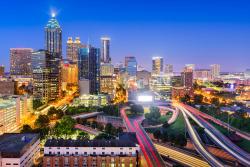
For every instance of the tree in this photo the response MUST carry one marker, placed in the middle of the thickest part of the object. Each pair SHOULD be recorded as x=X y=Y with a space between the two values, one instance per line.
x=37 y=103
x=83 y=136
x=104 y=136
x=26 y=129
x=65 y=126
x=42 y=121
x=165 y=125
x=215 y=101
x=198 y=99
x=136 y=109
x=157 y=134
x=185 y=99
x=109 y=129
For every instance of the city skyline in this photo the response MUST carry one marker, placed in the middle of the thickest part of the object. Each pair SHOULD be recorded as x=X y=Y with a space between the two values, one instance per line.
x=177 y=33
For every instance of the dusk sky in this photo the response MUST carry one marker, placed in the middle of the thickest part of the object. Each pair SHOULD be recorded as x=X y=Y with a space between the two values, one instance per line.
x=201 y=32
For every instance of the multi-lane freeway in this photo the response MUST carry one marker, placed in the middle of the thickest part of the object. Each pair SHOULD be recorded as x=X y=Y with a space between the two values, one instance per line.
x=151 y=155
x=198 y=143
x=219 y=139
x=223 y=124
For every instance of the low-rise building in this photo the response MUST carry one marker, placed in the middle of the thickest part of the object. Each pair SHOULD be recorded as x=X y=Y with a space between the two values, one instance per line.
x=91 y=100
x=117 y=152
x=115 y=121
x=19 y=149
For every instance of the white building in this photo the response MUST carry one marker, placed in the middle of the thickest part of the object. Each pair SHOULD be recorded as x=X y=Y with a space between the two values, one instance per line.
x=19 y=149
x=215 y=71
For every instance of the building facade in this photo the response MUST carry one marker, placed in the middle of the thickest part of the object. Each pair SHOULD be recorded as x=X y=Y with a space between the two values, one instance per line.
x=105 y=52
x=2 y=71
x=131 y=66
x=107 y=78
x=89 y=67
x=72 y=49
x=215 y=71
x=20 y=61
x=97 y=153
x=169 y=69
x=157 y=65
x=7 y=86
x=53 y=46
x=41 y=84
x=202 y=74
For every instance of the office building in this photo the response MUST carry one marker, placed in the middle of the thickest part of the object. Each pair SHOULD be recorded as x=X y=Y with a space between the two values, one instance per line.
x=107 y=78
x=69 y=72
x=176 y=81
x=157 y=65
x=169 y=69
x=215 y=71
x=187 y=78
x=89 y=67
x=161 y=84
x=84 y=87
x=189 y=67
x=202 y=74
x=41 y=84
x=20 y=61
x=72 y=49
x=117 y=152
x=19 y=149
x=105 y=52
x=1 y=71
x=143 y=79
x=131 y=66
x=7 y=86
x=53 y=46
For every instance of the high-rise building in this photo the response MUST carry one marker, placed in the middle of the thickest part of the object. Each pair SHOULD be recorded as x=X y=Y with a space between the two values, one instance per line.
x=187 y=79
x=20 y=61
x=157 y=65
x=189 y=67
x=72 y=49
x=69 y=73
x=41 y=86
x=215 y=71
x=169 y=69
x=105 y=52
x=202 y=74
x=89 y=67
x=53 y=45
x=1 y=71
x=131 y=66
x=106 y=78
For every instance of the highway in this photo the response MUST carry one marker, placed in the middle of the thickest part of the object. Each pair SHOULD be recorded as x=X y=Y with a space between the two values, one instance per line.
x=198 y=143
x=244 y=135
x=151 y=155
x=220 y=139
x=181 y=157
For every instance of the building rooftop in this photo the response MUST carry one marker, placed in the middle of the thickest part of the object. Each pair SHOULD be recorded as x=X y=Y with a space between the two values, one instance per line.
x=52 y=23
x=89 y=143
x=14 y=145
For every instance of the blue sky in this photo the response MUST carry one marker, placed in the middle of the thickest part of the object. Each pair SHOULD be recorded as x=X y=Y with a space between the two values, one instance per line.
x=182 y=31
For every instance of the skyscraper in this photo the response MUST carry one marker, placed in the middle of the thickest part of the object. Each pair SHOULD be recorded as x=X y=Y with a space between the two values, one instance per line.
x=53 y=36
x=20 y=61
x=189 y=67
x=106 y=78
x=105 y=53
x=131 y=66
x=40 y=75
x=157 y=65
x=53 y=46
x=89 y=67
x=72 y=49
x=215 y=71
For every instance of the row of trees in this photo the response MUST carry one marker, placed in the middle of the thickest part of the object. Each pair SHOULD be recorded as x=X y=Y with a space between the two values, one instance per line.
x=73 y=110
x=165 y=135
